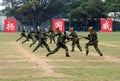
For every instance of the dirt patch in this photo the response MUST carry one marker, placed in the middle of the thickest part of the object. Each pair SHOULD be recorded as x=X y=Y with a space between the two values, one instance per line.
x=107 y=58
x=48 y=70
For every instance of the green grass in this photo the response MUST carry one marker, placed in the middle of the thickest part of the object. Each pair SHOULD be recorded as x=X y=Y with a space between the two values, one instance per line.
x=14 y=66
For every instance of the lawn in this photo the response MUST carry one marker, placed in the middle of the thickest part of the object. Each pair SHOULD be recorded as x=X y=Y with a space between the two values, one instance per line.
x=19 y=63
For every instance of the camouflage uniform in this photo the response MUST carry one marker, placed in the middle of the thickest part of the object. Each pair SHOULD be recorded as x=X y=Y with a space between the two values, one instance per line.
x=51 y=35
x=29 y=36
x=36 y=36
x=75 y=40
x=60 y=44
x=93 y=41
x=42 y=41
x=23 y=34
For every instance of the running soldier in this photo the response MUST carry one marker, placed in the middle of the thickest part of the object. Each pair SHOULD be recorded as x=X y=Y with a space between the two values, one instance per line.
x=75 y=40
x=42 y=41
x=93 y=41
x=51 y=34
x=23 y=34
x=58 y=33
x=29 y=36
x=60 y=44
x=37 y=32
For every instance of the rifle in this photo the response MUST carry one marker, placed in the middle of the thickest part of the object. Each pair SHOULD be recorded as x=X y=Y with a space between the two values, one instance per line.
x=83 y=37
x=70 y=39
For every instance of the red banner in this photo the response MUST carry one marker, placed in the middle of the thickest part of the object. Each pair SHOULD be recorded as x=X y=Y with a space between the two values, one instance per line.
x=10 y=25
x=106 y=25
x=58 y=23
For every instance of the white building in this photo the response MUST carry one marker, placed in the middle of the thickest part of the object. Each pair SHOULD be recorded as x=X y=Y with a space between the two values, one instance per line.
x=115 y=16
x=2 y=18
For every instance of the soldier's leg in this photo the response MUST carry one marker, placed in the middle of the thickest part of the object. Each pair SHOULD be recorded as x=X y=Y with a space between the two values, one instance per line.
x=27 y=39
x=87 y=49
x=50 y=39
x=19 y=38
x=73 y=46
x=54 y=51
x=97 y=49
x=32 y=39
x=78 y=45
x=47 y=47
x=33 y=43
x=53 y=39
x=41 y=46
x=37 y=47
x=66 y=50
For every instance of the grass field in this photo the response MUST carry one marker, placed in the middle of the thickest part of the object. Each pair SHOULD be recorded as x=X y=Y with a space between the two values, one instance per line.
x=18 y=63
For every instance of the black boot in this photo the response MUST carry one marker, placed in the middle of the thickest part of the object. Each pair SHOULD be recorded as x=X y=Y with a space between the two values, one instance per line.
x=30 y=46
x=87 y=53
x=47 y=54
x=67 y=55
x=33 y=50
x=81 y=50
x=101 y=54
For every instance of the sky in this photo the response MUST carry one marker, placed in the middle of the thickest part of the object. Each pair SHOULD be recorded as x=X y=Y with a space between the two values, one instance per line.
x=1 y=7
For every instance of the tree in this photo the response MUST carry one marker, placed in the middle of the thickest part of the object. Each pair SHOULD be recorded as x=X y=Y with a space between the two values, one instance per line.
x=78 y=13
x=87 y=10
x=95 y=9
x=31 y=12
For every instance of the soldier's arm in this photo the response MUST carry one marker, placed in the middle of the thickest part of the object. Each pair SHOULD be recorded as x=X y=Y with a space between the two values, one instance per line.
x=88 y=37
x=95 y=34
x=70 y=34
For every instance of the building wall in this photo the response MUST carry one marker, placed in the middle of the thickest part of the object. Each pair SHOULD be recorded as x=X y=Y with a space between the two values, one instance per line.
x=2 y=18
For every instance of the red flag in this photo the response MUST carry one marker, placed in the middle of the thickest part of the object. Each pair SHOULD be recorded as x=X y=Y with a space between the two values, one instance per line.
x=106 y=25
x=10 y=25
x=58 y=23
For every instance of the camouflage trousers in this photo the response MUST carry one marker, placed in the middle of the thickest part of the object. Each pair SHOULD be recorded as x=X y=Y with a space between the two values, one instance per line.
x=22 y=35
x=58 y=46
x=36 y=39
x=76 y=42
x=52 y=39
x=27 y=39
x=94 y=44
x=42 y=43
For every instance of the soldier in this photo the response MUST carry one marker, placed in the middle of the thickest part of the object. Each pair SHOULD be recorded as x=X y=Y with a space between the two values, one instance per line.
x=58 y=33
x=75 y=39
x=93 y=41
x=51 y=34
x=42 y=41
x=29 y=36
x=60 y=44
x=23 y=34
x=37 y=32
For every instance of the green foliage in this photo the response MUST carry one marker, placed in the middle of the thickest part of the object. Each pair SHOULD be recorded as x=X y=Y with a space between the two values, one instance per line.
x=31 y=12
x=78 y=13
x=114 y=7
x=94 y=8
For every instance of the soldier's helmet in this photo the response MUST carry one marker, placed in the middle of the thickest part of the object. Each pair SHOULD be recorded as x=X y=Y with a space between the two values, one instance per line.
x=71 y=29
x=38 y=27
x=24 y=28
x=31 y=29
x=91 y=29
